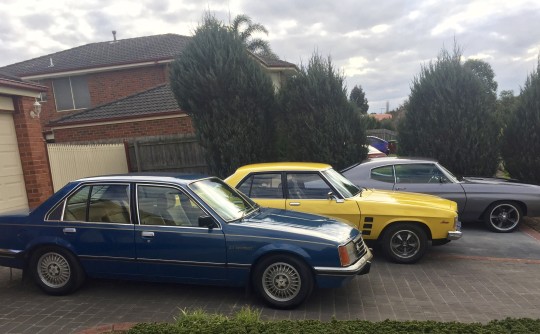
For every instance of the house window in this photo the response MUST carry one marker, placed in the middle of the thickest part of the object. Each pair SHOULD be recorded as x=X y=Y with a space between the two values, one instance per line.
x=71 y=93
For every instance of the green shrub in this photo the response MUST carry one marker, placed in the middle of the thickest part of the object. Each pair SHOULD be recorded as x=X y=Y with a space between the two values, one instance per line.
x=248 y=321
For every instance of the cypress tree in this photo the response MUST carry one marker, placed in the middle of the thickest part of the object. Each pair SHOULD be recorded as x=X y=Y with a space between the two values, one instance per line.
x=451 y=117
x=521 y=140
x=228 y=96
x=317 y=123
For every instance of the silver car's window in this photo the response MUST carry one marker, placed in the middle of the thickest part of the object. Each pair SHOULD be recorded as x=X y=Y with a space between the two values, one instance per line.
x=383 y=174
x=419 y=173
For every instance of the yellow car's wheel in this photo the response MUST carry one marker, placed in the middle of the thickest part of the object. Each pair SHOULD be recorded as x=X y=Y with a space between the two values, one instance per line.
x=404 y=243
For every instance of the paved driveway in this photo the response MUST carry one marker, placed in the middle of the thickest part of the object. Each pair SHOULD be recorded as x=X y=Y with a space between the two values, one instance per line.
x=481 y=277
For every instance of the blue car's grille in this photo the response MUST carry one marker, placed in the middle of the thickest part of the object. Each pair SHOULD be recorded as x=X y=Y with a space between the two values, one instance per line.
x=360 y=247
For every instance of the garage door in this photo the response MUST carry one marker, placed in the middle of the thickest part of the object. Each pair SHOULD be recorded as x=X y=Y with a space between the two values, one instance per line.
x=12 y=189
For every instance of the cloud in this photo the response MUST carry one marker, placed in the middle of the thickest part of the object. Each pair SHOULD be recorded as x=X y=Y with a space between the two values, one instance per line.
x=378 y=45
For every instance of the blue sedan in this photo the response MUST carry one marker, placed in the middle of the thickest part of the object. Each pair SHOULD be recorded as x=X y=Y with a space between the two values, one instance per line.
x=179 y=228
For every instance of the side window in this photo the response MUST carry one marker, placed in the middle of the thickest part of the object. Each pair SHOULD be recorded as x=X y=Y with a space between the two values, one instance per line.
x=109 y=204
x=417 y=173
x=307 y=186
x=76 y=205
x=166 y=206
x=245 y=186
x=383 y=174
x=266 y=186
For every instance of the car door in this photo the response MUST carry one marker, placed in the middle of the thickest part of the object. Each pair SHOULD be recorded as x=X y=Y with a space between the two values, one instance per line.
x=96 y=224
x=170 y=243
x=428 y=178
x=264 y=188
x=308 y=192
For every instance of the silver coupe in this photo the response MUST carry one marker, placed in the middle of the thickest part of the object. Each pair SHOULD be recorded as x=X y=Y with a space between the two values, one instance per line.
x=500 y=203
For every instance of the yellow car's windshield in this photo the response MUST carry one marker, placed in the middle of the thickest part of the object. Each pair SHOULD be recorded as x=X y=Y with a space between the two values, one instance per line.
x=341 y=183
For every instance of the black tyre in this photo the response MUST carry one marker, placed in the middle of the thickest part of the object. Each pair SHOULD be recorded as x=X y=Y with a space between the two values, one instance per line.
x=404 y=243
x=503 y=217
x=283 y=281
x=56 y=271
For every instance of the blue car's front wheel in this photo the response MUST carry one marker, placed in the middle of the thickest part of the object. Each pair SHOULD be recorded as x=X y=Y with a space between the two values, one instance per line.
x=283 y=281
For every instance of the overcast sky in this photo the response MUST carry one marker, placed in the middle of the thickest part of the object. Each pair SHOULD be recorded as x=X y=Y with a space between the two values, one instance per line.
x=379 y=45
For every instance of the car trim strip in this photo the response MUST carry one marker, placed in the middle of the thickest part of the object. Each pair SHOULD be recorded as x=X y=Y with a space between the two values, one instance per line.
x=9 y=252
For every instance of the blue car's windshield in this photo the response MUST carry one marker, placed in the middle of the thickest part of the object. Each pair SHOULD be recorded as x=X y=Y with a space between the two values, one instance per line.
x=225 y=201
x=341 y=183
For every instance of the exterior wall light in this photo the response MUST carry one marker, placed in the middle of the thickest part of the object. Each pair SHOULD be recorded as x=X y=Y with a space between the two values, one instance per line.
x=34 y=113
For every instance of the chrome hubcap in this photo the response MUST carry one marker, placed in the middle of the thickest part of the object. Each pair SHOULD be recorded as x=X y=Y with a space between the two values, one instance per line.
x=281 y=281
x=53 y=270
x=405 y=244
x=504 y=217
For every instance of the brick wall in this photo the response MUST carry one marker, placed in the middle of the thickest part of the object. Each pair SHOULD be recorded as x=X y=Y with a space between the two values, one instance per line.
x=121 y=131
x=109 y=86
x=33 y=152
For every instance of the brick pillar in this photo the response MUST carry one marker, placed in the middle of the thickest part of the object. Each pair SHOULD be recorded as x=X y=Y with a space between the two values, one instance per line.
x=33 y=152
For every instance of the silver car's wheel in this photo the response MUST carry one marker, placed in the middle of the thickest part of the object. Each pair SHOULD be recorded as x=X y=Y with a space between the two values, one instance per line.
x=404 y=243
x=56 y=271
x=283 y=281
x=503 y=217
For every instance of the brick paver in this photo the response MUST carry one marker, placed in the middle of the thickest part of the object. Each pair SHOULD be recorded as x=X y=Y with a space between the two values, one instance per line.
x=444 y=286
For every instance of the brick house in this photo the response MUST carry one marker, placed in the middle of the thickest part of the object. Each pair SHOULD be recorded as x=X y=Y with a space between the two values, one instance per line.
x=112 y=91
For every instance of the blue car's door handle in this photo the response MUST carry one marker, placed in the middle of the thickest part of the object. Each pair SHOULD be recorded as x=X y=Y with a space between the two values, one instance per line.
x=69 y=230
x=400 y=188
x=147 y=234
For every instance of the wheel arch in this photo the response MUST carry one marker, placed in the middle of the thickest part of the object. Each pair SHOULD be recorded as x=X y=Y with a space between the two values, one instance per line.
x=522 y=207
x=301 y=255
x=422 y=225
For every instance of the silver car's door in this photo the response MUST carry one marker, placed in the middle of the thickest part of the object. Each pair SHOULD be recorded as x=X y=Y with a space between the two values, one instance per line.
x=429 y=179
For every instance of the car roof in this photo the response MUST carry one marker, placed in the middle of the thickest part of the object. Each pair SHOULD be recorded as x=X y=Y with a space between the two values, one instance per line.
x=396 y=160
x=289 y=166
x=182 y=178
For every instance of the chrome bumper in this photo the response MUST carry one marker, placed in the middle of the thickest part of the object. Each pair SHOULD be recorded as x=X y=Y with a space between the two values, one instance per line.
x=454 y=235
x=360 y=267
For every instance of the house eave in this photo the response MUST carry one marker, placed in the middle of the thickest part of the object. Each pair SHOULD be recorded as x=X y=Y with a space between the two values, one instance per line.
x=117 y=120
x=96 y=69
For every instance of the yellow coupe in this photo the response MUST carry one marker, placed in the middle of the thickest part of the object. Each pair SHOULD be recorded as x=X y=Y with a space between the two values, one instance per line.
x=402 y=222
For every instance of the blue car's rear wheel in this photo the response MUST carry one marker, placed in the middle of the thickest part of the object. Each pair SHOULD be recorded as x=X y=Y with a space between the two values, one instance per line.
x=283 y=281
x=56 y=271
x=503 y=217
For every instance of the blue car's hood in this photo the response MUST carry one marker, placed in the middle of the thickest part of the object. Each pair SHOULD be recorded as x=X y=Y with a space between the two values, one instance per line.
x=298 y=226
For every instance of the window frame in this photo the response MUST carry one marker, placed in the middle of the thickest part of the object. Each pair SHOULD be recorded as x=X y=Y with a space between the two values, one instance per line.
x=73 y=102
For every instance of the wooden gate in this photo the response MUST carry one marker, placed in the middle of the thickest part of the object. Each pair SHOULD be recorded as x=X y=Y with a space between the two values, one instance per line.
x=181 y=153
